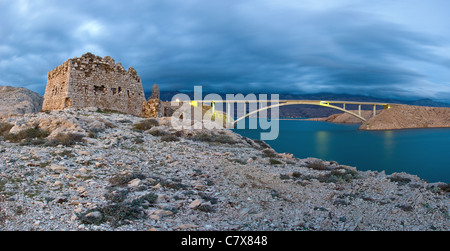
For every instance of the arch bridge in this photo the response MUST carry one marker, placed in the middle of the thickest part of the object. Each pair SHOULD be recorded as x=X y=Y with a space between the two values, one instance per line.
x=325 y=103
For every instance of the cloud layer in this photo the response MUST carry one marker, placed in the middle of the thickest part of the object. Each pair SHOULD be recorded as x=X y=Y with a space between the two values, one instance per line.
x=230 y=46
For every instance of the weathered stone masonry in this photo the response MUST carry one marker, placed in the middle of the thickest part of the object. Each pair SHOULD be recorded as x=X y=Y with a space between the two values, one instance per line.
x=92 y=81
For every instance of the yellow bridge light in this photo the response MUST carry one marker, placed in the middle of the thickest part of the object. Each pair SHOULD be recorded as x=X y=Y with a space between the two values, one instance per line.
x=194 y=103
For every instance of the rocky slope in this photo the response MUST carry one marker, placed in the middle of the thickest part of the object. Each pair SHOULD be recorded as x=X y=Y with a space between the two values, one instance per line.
x=406 y=116
x=397 y=117
x=120 y=172
x=345 y=118
x=18 y=101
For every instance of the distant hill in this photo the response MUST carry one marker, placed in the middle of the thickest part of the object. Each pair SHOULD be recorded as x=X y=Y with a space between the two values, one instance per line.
x=310 y=111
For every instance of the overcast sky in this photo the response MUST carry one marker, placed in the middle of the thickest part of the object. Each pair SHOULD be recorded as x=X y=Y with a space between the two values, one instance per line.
x=370 y=47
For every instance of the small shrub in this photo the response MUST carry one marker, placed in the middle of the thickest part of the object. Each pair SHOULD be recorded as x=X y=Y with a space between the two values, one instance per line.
x=92 y=134
x=179 y=134
x=170 y=138
x=124 y=179
x=145 y=125
x=65 y=139
x=269 y=153
x=275 y=162
x=173 y=185
x=139 y=140
x=2 y=211
x=317 y=165
x=5 y=128
x=239 y=161
x=119 y=211
x=116 y=214
x=116 y=196
x=339 y=176
x=145 y=200
x=262 y=144
x=206 y=208
x=27 y=135
x=206 y=137
x=400 y=180
x=157 y=133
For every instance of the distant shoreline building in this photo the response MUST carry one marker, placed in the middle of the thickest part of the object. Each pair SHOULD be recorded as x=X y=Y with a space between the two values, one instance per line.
x=92 y=81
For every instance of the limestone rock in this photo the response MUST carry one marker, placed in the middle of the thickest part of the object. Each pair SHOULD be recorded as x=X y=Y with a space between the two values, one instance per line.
x=18 y=101
x=407 y=116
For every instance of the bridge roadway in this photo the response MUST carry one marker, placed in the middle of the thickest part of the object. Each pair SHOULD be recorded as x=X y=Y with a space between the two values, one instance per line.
x=325 y=103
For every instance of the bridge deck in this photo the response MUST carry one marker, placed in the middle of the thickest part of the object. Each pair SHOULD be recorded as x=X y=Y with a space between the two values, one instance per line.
x=279 y=103
x=293 y=101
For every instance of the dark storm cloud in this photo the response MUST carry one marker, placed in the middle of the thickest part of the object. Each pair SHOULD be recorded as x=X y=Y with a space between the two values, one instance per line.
x=222 y=45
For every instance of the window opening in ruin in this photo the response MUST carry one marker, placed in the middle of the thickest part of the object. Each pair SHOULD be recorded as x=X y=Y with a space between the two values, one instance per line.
x=114 y=91
x=67 y=103
x=128 y=93
x=120 y=90
x=98 y=89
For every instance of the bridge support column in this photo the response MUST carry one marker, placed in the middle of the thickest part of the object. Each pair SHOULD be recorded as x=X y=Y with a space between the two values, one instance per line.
x=374 y=110
x=359 y=110
x=228 y=114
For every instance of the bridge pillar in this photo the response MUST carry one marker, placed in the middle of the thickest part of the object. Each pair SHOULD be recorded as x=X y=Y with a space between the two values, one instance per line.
x=374 y=110
x=228 y=114
x=359 y=110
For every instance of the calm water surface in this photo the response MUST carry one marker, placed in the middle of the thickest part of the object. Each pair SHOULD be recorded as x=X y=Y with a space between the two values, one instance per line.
x=423 y=152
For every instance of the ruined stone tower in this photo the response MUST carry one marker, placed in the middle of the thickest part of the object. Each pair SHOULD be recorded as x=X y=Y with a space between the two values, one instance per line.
x=92 y=81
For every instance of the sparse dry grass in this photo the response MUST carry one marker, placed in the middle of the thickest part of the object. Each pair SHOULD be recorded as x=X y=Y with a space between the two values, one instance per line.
x=65 y=139
x=5 y=128
x=213 y=137
x=27 y=135
x=317 y=165
x=147 y=124
x=170 y=138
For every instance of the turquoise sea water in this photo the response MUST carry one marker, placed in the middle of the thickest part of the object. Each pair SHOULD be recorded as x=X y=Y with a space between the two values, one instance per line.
x=423 y=152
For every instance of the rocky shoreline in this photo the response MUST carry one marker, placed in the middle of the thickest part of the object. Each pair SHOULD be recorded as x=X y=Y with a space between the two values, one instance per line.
x=96 y=171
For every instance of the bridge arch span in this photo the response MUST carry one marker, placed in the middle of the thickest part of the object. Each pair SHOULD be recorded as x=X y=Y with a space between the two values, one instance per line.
x=318 y=103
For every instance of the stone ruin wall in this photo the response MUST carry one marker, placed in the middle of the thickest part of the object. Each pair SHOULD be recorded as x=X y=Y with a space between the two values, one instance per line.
x=92 y=81
x=57 y=88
